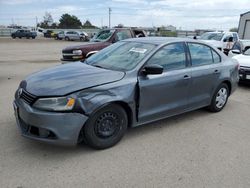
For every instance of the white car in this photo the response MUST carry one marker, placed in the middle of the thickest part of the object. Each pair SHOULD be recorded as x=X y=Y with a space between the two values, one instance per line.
x=75 y=35
x=239 y=47
x=220 y=39
x=244 y=62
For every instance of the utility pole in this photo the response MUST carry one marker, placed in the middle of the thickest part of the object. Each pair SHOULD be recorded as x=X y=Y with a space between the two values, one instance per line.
x=36 y=23
x=109 y=17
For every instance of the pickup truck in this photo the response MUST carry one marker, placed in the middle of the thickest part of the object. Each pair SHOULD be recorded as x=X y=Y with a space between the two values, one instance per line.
x=221 y=40
x=23 y=33
x=101 y=40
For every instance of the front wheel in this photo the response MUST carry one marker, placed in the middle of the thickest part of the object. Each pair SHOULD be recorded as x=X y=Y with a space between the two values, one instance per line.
x=220 y=98
x=106 y=127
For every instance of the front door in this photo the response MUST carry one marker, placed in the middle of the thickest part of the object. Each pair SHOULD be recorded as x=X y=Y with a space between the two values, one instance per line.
x=165 y=94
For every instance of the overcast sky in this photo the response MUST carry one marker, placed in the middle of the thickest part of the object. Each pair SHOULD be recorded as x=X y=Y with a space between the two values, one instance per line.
x=187 y=14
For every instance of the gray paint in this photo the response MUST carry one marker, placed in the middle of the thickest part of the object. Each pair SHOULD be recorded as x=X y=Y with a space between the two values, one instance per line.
x=147 y=98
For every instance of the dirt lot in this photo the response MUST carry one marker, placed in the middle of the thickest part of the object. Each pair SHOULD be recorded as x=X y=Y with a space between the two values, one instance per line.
x=197 y=149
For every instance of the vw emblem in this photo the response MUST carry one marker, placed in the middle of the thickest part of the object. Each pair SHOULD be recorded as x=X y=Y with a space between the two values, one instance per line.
x=19 y=93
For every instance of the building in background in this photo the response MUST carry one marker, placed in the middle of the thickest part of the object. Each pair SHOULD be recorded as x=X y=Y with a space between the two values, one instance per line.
x=244 y=26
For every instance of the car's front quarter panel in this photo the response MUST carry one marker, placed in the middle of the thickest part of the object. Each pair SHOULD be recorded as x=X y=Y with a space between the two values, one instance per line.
x=123 y=91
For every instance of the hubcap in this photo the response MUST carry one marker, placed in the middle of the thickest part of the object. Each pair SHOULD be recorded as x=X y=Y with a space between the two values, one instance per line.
x=221 y=98
x=107 y=125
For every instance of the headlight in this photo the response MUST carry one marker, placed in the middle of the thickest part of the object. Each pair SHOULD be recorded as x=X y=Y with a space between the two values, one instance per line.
x=55 y=104
x=77 y=52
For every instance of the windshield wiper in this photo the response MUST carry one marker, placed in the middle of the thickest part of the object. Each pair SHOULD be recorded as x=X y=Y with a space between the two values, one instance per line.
x=99 y=66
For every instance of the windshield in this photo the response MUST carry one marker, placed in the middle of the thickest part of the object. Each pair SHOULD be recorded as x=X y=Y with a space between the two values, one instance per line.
x=247 y=52
x=212 y=36
x=102 y=35
x=121 y=56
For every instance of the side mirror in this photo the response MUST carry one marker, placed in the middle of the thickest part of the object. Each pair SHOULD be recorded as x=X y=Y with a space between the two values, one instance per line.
x=235 y=51
x=152 y=69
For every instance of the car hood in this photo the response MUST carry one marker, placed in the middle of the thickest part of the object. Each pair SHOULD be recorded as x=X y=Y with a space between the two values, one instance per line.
x=64 y=79
x=244 y=60
x=215 y=43
x=86 y=45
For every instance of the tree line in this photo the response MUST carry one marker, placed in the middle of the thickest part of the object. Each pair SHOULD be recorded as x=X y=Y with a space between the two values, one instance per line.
x=66 y=21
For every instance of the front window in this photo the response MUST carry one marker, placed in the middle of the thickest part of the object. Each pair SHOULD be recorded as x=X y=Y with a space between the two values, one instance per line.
x=121 y=56
x=247 y=52
x=212 y=36
x=103 y=35
x=170 y=57
x=121 y=35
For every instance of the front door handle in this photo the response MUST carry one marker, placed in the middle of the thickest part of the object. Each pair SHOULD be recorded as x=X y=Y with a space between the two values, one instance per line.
x=186 y=77
x=216 y=71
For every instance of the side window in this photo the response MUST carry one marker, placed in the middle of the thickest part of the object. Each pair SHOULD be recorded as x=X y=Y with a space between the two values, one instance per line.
x=227 y=38
x=235 y=37
x=200 y=54
x=216 y=57
x=236 y=46
x=121 y=35
x=170 y=57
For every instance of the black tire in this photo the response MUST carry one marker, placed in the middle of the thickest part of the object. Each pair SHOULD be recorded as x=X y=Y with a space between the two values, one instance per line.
x=106 y=127
x=67 y=38
x=19 y=37
x=81 y=39
x=33 y=37
x=13 y=37
x=219 y=103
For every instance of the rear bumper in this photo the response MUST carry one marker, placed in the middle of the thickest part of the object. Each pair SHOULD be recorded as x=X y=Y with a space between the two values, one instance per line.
x=50 y=127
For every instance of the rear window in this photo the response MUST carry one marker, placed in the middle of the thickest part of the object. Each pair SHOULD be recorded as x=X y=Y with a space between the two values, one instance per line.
x=200 y=54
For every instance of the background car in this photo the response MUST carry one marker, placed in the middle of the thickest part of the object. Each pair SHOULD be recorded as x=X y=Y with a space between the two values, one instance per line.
x=98 y=99
x=75 y=35
x=101 y=40
x=20 y=33
x=239 y=47
x=60 y=35
x=48 y=34
x=220 y=39
x=244 y=62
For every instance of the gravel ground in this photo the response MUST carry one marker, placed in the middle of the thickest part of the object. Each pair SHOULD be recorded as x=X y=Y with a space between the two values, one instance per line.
x=197 y=149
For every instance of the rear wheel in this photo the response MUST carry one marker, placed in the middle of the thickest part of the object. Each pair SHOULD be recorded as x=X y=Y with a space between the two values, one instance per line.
x=220 y=98
x=106 y=127
x=67 y=38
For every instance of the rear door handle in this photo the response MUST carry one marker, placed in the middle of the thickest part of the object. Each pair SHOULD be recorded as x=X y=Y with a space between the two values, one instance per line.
x=186 y=77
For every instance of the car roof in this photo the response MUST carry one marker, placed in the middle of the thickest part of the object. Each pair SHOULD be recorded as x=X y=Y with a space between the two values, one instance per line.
x=160 y=40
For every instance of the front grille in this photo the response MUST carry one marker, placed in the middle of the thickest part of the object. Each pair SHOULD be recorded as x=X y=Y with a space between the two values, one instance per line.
x=67 y=57
x=27 y=97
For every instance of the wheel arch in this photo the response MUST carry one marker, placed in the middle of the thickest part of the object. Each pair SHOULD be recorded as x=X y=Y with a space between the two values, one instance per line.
x=229 y=85
x=122 y=104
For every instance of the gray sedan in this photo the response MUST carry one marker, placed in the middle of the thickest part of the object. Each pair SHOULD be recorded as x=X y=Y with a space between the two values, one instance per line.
x=127 y=84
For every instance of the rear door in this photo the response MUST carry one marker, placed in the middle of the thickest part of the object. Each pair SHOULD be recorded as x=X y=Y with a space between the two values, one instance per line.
x=165 y=94
x=206 y=71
